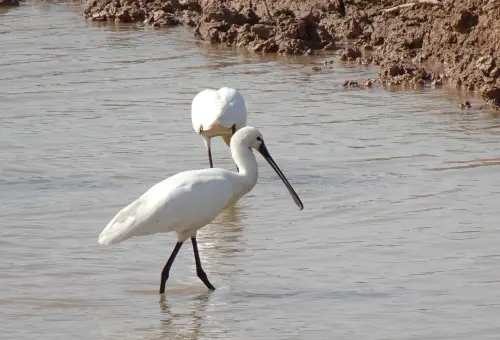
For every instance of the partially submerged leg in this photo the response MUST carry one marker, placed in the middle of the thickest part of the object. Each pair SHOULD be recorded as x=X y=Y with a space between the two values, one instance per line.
x=166 y=270
x=199 y=270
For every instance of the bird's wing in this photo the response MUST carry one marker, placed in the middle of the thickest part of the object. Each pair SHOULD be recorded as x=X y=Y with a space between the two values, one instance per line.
x=184 y=201
x=225 y=106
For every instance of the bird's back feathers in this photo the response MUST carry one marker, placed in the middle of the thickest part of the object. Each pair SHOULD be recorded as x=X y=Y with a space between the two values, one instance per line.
x=182 y=203
x=223 y=107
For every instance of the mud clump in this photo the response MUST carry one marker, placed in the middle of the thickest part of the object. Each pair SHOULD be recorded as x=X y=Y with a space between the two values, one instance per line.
x=492 y=95
x=407 y=73
x=158 y=13
x=350 y=54
x=420 y=43
x=350 y=83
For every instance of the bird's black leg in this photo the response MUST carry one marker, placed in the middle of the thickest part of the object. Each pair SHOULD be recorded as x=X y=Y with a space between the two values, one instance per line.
x=210 y=157
x=166 y=270
x=199 y=270
x=233 y=130
x=208 y=144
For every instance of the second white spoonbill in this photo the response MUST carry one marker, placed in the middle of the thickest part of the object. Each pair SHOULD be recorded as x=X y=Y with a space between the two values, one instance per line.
x=218 y=113
x=189 y=200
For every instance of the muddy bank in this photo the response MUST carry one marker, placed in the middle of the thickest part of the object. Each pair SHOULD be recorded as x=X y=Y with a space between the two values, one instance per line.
x=8 y=3
x=420 y=43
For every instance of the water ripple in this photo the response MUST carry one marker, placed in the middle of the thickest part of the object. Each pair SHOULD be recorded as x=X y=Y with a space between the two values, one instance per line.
x=392 y=244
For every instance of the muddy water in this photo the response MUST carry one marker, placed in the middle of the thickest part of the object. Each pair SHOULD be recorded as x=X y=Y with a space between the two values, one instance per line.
x=398 y=238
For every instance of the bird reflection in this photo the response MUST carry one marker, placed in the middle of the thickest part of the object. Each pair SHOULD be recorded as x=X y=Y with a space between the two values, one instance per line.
x=222 y=237
x=185 y=325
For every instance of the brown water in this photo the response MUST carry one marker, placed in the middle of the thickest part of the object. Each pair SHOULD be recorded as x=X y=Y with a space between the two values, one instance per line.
x=398 y=239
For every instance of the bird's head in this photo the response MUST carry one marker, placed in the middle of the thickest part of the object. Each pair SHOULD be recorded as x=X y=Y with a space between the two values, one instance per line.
x=248 y=136
x=251 y=137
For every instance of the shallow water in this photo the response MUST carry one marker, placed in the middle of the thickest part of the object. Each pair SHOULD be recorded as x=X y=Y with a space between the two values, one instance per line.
x=398 y=238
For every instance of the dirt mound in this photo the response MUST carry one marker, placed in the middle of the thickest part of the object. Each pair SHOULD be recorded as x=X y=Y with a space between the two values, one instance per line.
x=154 y=12
x=454 y=41
x=419 y=43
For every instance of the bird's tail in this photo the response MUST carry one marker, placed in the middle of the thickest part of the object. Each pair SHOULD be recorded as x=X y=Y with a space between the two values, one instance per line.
x=122 y=225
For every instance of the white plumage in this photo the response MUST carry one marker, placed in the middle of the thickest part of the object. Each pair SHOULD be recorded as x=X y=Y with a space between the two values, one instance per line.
x=218 y=113
x=190 y=200
x=172 y=205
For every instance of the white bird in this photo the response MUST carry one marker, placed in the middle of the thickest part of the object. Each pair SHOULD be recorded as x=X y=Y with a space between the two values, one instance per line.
x=218 y=113
x=189 y=200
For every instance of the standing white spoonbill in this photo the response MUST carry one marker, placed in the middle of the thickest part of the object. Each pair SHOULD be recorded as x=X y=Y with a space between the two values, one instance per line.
x=191 y=199
x=218 y=113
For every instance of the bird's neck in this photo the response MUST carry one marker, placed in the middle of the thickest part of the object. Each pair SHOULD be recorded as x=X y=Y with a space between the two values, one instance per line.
x=247 y=165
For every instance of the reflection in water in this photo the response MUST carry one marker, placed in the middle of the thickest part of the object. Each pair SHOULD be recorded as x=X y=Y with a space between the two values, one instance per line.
x=467 y=166
x=213 y=66
x=92 y=113
x=113 y=27
x=46 y=303
x=221 y=238
x=5 y=9
x=183 y=325
x=213 y=54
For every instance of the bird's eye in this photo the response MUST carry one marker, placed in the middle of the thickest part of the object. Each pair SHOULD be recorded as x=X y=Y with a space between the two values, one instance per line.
x=259 y=139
